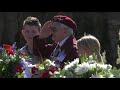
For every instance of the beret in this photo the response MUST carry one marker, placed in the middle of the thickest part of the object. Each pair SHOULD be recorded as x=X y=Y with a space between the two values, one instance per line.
x=65 y=20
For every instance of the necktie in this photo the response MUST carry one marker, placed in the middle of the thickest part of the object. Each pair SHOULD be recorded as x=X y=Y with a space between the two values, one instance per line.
x=55 y=52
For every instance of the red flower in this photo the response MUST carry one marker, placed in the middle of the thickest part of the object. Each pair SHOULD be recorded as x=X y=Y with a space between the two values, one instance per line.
x=34 y=69
x=53 y=69
x=7 y=46
x=19 y=69
x=45 y=75
x=9 y=51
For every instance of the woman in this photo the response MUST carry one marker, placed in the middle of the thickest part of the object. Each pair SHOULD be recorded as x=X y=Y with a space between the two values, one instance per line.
x=89 y=45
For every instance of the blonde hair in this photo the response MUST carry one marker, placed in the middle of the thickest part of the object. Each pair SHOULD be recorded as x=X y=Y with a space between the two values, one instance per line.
x=92 y=43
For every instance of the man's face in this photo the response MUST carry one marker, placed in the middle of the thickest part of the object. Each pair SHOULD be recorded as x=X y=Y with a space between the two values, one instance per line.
x=28 y=33
x=57 y=31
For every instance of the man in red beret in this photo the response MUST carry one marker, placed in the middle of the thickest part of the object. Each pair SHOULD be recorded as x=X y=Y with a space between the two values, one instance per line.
x=64 y=48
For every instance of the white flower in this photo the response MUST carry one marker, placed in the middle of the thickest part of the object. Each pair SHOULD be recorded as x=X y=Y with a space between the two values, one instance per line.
x=111 y=76
x=94 y=76
x=7 y=60
x=12 y=56
x=92 y=66
x=48 y=62
x=56 y=72
x=50 y=73
x=72 y=64
x=82 y=68
x=91 y=57
x=104 y=66
x=76 y=61
x=1 y=60
x=41 y=68
x=97 y=76
x=67 y=67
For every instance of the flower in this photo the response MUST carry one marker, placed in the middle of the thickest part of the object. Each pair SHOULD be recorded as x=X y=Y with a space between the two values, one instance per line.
x=53 y=69
x=82 y=68
x=45 y=75
x=34 y=70
x=19 y=69
x=14 y=64
x=11 y=62
x=9 y=51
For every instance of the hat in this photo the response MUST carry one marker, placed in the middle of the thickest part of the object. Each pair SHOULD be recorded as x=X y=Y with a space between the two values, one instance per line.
x=65 y=20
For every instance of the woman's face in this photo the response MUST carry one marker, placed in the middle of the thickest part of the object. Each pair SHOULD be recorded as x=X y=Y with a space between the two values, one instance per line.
x=82 y=50
x=29 y=32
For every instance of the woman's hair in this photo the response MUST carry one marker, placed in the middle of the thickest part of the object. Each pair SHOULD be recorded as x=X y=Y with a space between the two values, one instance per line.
x=91 y=43
x=32 y=21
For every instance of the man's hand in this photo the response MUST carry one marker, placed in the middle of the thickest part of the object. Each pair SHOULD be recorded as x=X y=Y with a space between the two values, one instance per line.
x=46 y=31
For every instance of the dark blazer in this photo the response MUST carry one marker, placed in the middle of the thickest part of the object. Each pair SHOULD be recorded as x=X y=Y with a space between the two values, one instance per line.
x=69 y=47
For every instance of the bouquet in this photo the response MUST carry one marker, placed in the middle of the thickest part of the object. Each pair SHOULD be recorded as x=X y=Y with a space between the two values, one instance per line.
x=43 y=70
x=14 y=64
x=10 y=61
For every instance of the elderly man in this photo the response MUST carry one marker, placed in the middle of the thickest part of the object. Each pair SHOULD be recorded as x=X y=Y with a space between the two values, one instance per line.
x=64 y=48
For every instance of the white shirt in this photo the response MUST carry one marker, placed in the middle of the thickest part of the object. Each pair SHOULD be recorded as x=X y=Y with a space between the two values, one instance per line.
x=63 y=41
x=61 y=56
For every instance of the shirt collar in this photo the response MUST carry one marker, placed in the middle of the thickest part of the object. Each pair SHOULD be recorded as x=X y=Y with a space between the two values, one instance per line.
x=63 y=41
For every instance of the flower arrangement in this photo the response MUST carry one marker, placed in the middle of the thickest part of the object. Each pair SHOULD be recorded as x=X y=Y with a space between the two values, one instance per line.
x=88 y=68
x=14 y=64
x=10 y=61
x=44 y=70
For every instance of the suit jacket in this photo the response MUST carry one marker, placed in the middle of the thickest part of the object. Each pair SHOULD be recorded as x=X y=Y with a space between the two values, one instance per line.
x=69 y=48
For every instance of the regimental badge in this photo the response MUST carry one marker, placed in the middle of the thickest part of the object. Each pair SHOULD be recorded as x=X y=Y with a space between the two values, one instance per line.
x=61 y=56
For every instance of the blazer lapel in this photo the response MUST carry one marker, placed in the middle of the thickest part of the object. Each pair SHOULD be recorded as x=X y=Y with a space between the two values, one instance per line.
x=68 y=44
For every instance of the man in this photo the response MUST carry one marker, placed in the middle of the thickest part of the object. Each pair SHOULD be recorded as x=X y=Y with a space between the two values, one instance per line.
x=65 y=46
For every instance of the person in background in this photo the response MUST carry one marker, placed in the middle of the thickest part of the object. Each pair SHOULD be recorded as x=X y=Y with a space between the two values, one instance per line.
x=31 y=27
x=89 y=45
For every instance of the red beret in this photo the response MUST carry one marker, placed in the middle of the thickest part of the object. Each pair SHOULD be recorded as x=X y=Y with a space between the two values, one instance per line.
x=65 y=20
